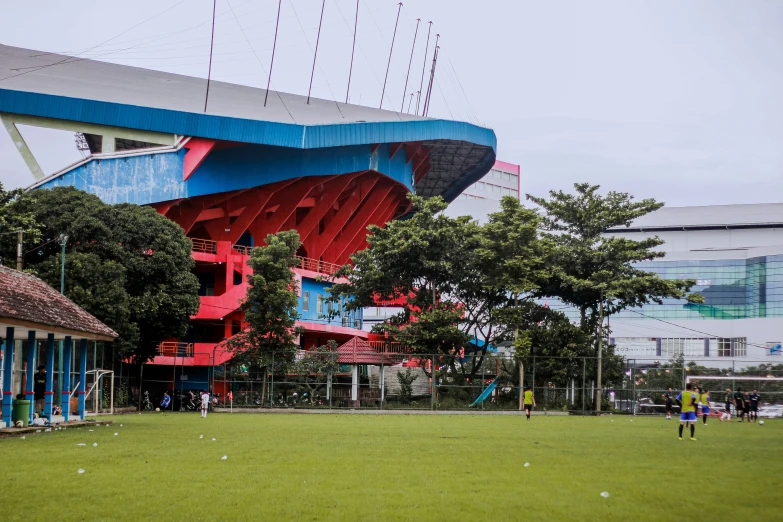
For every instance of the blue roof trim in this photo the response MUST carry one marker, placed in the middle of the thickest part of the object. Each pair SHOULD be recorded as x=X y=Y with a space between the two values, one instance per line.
x=238 y=129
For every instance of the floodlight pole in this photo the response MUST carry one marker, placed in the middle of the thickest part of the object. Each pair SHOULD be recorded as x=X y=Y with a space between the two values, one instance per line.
x=19 y=253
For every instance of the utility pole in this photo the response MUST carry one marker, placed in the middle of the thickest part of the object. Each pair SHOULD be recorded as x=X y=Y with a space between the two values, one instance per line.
x=19 y=259
x=521 y=363
x=600 y=354
x=64 y=241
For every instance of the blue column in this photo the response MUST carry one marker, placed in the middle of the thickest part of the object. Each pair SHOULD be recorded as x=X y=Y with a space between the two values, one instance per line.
x=8 y=372
x=65 y=399
x=31 y=349
x=706 y=347
x=82 y=376
x=49 y=376
x=658 y=347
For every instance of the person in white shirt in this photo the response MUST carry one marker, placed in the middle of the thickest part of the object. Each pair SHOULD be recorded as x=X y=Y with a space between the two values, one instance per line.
x=204 y=404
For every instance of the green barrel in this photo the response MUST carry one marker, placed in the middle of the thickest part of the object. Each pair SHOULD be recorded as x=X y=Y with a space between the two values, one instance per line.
x=21 y=411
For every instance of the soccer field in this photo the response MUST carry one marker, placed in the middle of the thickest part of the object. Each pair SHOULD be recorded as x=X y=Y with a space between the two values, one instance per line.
x=393 y=467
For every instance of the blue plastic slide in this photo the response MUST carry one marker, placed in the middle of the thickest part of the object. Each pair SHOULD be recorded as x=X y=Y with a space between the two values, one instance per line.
x=486 y=393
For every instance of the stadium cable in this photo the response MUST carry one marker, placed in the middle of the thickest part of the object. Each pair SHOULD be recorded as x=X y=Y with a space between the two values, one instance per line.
x=464 y=94
x=380 y=32
x=73 y=59
x=326 y=78
x=369 y=63
x=95 y=46
x=259 y=59
x=123 y=42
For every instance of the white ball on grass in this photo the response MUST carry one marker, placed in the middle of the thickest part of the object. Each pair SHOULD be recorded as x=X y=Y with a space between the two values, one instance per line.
x=761 y=423
x=605 y=494
x=94 y=444
x=527 y=464
x=80 y=471
x=225 y=457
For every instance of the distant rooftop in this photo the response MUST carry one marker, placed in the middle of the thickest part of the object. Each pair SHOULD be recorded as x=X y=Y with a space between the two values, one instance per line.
x=26 y=301
x=710 y=217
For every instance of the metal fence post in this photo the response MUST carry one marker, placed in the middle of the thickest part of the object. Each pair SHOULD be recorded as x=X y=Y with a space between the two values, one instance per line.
x=584 y=372
x=483 y=380
x=272 y=384
x=434 y=383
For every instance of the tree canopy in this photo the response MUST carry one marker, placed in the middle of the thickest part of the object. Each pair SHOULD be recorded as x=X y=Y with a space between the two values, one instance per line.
x=126 y=264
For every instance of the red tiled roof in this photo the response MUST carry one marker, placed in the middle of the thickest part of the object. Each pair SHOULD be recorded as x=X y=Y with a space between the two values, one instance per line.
x=359 y=351
x=27 y=301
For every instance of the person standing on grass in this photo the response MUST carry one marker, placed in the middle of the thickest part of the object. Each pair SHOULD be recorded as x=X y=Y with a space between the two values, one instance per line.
x=687 y=401
x=697 y=391
x=739 y=404
x=530 y=401
x=204 y=403
x=39 y=389
x=747 y=406
x=705 y=405
x=667 y=395
x=727 y=413
x=754 y=405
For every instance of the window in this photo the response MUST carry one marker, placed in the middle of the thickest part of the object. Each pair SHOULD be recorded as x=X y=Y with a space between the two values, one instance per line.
x=740 y=347
x=319 y=304
x=724 y=347
x=306 y=301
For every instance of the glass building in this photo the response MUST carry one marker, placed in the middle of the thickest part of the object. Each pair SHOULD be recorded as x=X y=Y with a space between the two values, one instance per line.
x=735 y=255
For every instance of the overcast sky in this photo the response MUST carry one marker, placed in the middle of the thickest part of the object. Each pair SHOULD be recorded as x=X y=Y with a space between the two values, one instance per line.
x=680 y=100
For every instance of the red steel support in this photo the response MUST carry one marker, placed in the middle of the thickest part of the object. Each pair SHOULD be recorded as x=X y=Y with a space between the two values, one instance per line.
x=358 y=221
x=286 y=200
x=333 y=190
x=316 y=244
x=198 y=150
x=376 y=216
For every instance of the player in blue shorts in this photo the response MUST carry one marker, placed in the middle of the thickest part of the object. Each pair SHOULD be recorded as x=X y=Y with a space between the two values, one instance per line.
x=705 y=401
x=687 y=401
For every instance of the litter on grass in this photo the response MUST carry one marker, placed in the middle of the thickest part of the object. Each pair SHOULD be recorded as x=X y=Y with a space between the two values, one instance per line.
x=81 y=444
x=22 y=437
x=92 y=430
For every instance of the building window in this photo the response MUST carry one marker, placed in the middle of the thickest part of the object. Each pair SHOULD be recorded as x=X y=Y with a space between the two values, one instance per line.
x=306 y=301
x=724 y=347
x=740 y=347
x=319 y=304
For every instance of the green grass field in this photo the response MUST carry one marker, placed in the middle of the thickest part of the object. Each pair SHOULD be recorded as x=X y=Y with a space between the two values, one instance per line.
x=393 y=467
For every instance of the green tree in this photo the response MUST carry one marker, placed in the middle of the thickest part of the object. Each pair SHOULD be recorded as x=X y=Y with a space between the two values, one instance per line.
x=315 y=366
x=594 y=271
x=270 y=307
x=126 y=264
x=424 y=261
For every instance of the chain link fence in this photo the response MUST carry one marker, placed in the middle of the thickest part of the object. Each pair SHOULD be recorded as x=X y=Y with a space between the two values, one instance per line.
x=489 y=382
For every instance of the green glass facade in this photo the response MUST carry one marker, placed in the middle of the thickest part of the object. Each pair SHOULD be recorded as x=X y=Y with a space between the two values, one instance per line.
x=732 y=289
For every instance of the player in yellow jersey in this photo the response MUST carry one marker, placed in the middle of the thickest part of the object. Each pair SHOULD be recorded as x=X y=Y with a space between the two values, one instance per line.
x=529 y=401
x=687 y=401
x=705 y=401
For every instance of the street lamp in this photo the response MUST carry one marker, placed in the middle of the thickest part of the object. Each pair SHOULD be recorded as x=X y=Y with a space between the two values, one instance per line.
x=63 y=242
